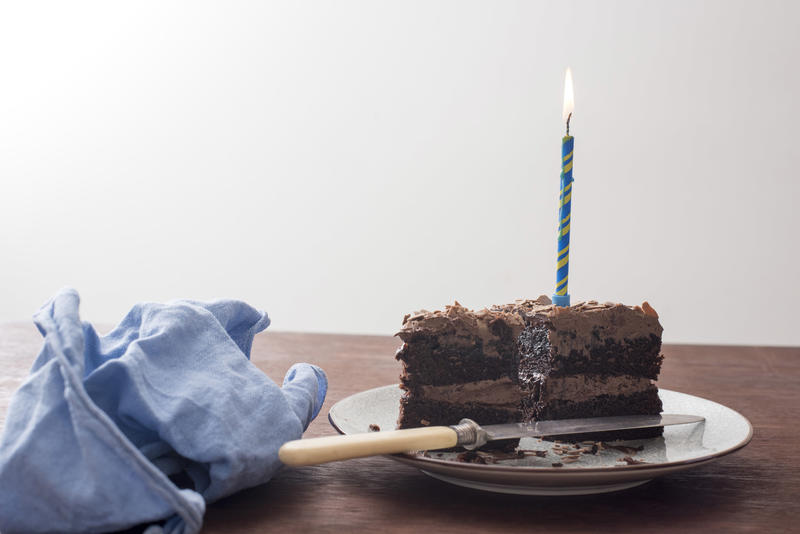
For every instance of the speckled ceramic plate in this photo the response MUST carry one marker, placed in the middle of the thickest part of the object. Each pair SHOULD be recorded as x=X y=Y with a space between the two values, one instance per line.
x=682 y=447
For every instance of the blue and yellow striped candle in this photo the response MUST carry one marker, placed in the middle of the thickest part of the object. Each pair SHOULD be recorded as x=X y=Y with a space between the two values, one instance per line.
x=561 y=296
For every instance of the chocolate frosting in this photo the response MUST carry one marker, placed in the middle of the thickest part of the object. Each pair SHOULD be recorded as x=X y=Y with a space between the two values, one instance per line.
x=460 y=326
x=581 y=387
x=501 y=391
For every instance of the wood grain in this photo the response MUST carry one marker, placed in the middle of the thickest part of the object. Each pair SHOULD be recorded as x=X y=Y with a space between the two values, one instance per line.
x=754 y=490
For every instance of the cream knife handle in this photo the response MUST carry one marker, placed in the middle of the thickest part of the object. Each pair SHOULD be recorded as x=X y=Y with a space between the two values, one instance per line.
x=314 y=451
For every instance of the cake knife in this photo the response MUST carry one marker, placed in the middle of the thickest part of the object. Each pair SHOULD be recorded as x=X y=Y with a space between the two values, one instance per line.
x=467 y=433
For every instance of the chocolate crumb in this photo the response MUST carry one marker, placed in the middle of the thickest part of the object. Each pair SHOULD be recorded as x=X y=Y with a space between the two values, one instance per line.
x=497 y=455
x=540 y=454
x=488 y=458
x=470 y=457
x=374 y=428
x=558 y=464
x=627 y=450
x=631 y=461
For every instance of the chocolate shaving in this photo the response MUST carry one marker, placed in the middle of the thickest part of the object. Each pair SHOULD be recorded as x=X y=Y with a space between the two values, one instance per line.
x=631 y=461
x=374 y=428
x=540 y=454
x=488 y=458
x=471 y=457
x=625 y=449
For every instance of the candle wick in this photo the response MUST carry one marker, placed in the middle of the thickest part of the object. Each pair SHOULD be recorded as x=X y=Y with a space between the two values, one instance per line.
x=568 y=118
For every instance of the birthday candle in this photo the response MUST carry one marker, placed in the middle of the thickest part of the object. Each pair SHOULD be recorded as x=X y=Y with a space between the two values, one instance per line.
x=561 y=296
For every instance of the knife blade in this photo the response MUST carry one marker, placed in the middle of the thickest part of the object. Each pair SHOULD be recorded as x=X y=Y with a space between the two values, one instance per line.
x=467 y=434
x=471 y=435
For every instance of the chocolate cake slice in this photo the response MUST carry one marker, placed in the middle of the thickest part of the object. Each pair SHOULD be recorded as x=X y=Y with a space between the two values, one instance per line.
x=530 y=361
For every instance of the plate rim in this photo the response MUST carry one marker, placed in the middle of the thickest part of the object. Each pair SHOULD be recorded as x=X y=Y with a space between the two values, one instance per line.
x=495 y=468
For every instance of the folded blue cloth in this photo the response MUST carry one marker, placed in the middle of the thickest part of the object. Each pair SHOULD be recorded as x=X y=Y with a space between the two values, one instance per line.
x=95 y=431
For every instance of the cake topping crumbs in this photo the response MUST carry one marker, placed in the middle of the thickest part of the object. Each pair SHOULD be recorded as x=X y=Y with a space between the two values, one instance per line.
x=631 y=461
x=424 y=422
x=405 y=318
x=570 y=460
x=471 y=457
x=374 y=428
x=648 y=310
x=558 y=464
x=627 y=450
x=530 y=452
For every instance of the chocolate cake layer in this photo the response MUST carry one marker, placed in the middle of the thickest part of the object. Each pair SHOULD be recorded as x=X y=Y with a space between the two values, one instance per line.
x=423 y=412
x=631 y=356
x=427 y=362
x=459 y=345
x=641 y=403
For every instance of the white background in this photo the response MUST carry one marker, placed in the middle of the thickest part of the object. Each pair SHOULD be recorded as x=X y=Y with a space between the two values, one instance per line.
x=342 y=163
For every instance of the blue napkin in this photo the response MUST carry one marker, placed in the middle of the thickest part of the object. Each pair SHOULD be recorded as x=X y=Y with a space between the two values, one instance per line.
x=96 y=430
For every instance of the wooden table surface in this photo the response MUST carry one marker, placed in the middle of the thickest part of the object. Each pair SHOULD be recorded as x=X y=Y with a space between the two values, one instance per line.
x=754 y=490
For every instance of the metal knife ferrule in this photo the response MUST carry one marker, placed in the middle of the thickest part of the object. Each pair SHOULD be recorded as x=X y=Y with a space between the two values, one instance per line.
x=470 y=434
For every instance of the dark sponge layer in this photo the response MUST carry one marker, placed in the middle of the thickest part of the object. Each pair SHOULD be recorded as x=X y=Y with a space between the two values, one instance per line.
x=426 y=361
x=644 y=403
x=415 y=410
x=637 y=357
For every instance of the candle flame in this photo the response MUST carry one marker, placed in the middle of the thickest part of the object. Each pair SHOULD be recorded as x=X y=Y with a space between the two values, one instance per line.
x=569 y=95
